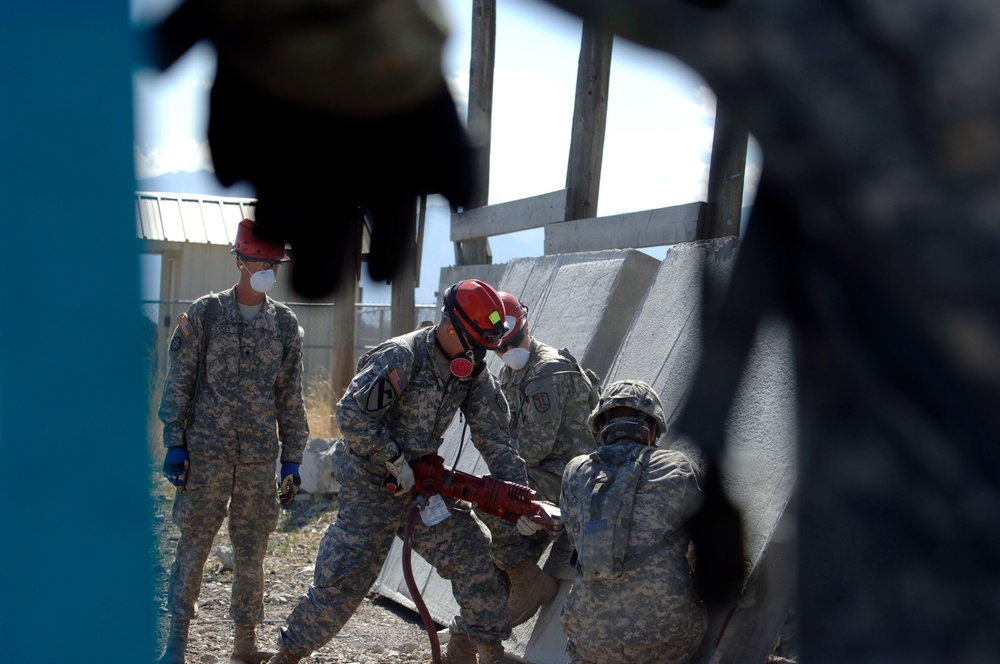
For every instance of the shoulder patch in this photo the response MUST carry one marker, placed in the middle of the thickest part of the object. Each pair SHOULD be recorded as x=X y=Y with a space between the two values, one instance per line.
x=541 y=402
x=397 y=381
x=175 y=344
x=184 y=325
x=501 y=403
x=380 y=395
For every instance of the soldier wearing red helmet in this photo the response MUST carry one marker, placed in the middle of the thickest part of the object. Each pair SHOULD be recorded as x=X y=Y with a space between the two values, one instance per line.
x=397 y=408
x=550 y=397
x=232 y=405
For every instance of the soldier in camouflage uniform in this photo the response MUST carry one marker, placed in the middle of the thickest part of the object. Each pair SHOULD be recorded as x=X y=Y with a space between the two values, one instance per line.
x=550 y=398
x=233 y=391
x=398 y=406
x=625 y=507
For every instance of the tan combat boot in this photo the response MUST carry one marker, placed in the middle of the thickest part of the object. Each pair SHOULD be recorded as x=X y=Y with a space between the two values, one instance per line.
x=492 y=653
x=530 y=587
x=460 y=650
x=245 y=647
x=284 y=656
x=177 y=638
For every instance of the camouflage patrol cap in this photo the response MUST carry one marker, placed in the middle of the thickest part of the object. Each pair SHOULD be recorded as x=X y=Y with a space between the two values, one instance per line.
x=634 y=394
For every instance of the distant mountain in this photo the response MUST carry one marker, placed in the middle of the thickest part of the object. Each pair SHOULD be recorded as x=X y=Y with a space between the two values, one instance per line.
x=194 y=182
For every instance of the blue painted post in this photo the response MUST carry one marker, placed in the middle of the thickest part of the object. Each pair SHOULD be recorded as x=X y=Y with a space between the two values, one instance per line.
x=76 y=557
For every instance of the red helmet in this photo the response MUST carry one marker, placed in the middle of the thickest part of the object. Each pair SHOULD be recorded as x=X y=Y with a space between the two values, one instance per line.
x=249 y=247
x=475 y=310
x=515 y=313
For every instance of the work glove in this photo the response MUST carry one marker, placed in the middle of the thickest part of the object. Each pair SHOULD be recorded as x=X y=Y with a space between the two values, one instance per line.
x=526 y=526
x=175 y=466
x=400 y=469
x=290 y=482
x=311 y=78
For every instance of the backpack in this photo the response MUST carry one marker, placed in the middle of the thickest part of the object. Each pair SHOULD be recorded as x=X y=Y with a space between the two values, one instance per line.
x=607 y=500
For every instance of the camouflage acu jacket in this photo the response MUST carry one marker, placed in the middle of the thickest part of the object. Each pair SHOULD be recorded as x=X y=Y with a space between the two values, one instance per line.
x=653 y=571
x=248 y=394
x=402 y=400
x=550 y=403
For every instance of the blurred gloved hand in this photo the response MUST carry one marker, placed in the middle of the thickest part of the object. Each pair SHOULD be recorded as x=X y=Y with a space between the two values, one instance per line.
x=290 y=482
x=526 y=526
x=175 y=466
x=300 y=81
x=400 y=469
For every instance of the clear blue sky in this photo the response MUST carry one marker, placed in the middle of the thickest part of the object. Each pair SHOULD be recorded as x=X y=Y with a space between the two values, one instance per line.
x=659 y=132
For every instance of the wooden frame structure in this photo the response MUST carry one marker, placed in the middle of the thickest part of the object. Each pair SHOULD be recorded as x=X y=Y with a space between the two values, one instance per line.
x=569 y=216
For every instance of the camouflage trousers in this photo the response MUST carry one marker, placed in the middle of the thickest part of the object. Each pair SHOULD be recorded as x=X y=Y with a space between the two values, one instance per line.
x=509 y=547
x=247 y=492
x=656 y=653
x=355 y=546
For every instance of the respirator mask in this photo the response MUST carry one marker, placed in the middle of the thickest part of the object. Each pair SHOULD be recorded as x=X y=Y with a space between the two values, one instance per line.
x=468 y=363
x=516 y=358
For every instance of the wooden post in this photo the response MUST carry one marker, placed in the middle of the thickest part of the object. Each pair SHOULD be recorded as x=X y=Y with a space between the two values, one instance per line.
x=725 y=177
x=484 y=29
x=590 y=115
x=345 y=315
x=405 y=282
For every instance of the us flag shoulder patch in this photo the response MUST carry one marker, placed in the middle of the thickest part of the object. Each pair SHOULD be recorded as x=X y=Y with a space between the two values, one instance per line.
x=184 y=325
x=397 y=381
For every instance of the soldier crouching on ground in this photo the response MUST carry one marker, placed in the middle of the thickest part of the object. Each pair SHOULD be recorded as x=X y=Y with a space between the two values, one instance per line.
x=550 y=398
x=233 y=390
x=631 y=496
x=397 y=408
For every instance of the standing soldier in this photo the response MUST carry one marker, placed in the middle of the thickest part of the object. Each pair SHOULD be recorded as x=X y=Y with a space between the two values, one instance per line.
x=550 y=398
x=625 y=507
x=231 y=402
x=397 y=408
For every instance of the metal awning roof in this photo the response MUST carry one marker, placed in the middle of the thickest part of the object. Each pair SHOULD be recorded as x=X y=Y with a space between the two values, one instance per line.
x=190 y=217
x=172 y=217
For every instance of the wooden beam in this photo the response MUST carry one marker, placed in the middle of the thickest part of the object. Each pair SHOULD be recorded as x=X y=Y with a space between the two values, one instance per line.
x=725 y=177
x=404 y=288
x=342 y=364
x=650 y=228
x=484 y=29
x=509 y=217
x=590 y=116
x=421 y=227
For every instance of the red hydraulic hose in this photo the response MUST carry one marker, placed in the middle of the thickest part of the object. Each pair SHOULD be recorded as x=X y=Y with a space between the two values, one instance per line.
x=425 y=615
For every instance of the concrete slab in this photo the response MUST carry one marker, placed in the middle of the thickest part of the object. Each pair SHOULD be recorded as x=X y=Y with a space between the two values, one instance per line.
x=663 y=347
x=571 y=300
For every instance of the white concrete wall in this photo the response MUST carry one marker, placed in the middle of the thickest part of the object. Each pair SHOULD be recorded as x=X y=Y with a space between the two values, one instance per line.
x=629 y=316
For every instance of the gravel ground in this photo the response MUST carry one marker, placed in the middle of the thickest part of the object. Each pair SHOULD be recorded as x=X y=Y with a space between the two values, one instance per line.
x=380 y=630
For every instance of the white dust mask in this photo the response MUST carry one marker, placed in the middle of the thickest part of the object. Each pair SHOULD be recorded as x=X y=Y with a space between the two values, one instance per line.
x=516 y=358
x=262 y=281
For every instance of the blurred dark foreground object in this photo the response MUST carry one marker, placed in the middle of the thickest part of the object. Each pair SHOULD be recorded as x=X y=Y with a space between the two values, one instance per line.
x=876 y=235
x=332 y=109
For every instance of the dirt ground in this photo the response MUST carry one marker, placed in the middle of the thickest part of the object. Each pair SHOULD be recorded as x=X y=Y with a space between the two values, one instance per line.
x=380 y=631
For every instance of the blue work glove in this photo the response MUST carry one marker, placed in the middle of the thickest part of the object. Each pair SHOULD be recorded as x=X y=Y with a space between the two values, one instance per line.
x=175 y=466
x=290 y=482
